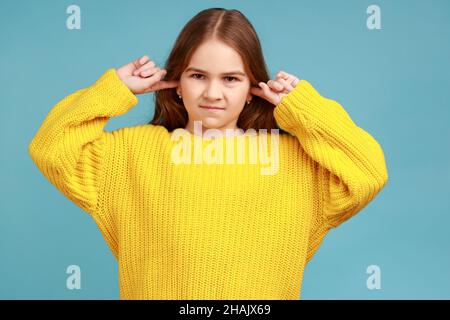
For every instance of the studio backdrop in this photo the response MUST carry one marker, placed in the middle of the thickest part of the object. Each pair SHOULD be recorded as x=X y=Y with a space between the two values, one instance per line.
x=386 y=62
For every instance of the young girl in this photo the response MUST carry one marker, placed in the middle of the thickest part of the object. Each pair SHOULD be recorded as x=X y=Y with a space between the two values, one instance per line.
x=180 y=226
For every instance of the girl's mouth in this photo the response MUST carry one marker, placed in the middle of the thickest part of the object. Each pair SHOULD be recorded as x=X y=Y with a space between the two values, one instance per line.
x=212 y=108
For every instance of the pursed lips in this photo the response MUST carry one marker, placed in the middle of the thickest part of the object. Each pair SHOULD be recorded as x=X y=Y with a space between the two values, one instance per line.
x=212 y=108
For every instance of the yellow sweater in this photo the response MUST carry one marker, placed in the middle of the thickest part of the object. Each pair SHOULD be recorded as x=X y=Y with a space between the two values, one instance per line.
x=209 y=230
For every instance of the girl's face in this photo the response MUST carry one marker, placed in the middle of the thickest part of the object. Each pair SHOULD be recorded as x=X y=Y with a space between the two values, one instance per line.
x=215 y=77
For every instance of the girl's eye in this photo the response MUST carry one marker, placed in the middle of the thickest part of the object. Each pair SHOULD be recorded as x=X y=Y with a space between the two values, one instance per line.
x=194 y=75
x=232 y=78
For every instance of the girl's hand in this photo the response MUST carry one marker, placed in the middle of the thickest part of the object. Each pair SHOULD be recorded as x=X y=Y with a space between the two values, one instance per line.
x=142 y=76
x=275 y=90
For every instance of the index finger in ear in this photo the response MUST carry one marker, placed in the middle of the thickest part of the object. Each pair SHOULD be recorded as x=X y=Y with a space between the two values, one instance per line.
x=169 y=84
x=160 y=85
x=256 y=90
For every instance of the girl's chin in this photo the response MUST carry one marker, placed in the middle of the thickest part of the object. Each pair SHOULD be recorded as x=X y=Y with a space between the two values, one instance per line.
x=207 y=123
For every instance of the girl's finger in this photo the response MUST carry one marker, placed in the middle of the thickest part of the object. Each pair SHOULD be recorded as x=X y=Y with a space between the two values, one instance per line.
x=276 y=86
x=140 y=61
x=148 y=72
x=160 y=85
x=291 y=79
x=146 y=66
x=144 y=59
x=269 y=93
x=265 y=88
x=154 y=78
x=283 y=75
x=154 y=82
x=286 y=84
x=257 y=90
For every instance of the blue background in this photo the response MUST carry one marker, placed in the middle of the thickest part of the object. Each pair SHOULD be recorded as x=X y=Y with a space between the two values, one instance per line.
x=393 y=82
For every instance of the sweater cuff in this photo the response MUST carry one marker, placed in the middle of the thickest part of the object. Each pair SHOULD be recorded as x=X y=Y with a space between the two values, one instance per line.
x=116 y=98
x=298 y=107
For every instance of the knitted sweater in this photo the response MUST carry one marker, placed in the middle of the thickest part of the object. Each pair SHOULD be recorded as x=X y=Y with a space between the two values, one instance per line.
x=198 y=230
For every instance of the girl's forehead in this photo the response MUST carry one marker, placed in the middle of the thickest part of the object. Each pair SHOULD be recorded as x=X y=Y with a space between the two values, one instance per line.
x=208 y=57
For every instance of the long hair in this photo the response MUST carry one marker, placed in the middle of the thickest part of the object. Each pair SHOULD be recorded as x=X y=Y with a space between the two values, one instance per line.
x=235 y=30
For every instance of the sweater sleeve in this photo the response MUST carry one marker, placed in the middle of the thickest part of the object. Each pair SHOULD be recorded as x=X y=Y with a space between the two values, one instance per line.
x=69 y=147
x=352 y=168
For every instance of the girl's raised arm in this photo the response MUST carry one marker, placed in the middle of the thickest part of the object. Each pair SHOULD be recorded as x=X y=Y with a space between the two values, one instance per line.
x=69 y=147
x=352 y=165
x=70 y=144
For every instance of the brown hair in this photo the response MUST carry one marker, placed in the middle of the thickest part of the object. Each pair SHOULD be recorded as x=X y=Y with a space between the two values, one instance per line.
x=232 y=28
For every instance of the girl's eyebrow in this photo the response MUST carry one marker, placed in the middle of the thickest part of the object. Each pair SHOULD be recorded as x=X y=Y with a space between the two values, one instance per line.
x=205 y=72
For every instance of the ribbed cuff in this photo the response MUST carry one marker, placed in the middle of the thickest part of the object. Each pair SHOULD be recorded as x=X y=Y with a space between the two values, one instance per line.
x=298 y=107
x=115 y=96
